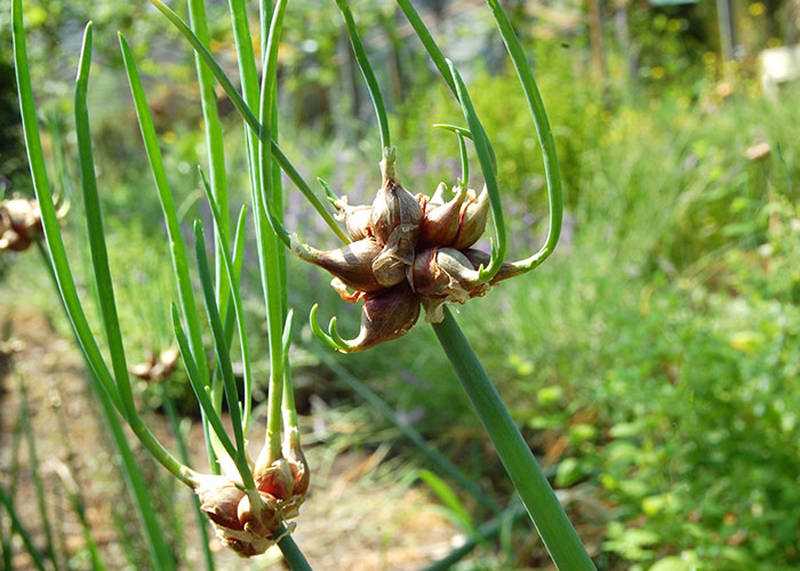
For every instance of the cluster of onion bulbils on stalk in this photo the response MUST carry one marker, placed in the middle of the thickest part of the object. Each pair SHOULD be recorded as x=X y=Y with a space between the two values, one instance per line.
x=250 y=525
x=407 y=252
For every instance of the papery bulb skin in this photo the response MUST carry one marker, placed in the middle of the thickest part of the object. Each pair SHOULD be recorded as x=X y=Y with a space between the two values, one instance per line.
x=443 y=273
x=276 y=480
x=219 y=500
x=237 y=526
x=474 y=216
x=301 y=473
x=441 y=222
x=352 y=264
x=356 y=219
x=266 y=522
x=394 y=207
x=389 y=267
x=386 y=316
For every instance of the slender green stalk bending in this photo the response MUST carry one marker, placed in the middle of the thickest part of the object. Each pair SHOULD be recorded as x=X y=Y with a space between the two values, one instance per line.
x=554 y=527
x=367 y=72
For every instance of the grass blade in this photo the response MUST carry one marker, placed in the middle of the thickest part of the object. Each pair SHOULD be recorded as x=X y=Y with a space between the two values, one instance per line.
x=484 y=532
x=19 y=529
x=36 y=476
x=78 y=506
x=436 y=458
x=183 y=451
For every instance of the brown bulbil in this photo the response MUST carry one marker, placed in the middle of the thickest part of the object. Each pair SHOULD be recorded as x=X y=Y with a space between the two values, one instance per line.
x=386 y=315
x=277 y=479
x=239 y=527
x=394 y=207
x=474 y=216
x=352 y=264
x=356 y=218
x=441 y=222
x=219 y=500
x=20 y=224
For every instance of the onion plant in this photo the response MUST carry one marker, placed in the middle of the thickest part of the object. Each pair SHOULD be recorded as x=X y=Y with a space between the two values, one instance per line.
x=398 y=255
x=404 y=251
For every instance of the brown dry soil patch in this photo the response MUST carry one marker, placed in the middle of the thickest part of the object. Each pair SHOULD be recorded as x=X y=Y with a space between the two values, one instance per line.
x=350 y=520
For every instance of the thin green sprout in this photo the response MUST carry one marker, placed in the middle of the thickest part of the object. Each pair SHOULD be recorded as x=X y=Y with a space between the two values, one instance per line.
x=367 y=72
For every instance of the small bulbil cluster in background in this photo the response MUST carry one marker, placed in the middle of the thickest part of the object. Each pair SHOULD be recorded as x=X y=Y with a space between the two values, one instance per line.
x=251 y=527
x=20 y=224
x=157 y=367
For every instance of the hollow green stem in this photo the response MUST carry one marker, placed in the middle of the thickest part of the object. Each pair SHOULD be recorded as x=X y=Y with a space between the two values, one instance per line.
x=462 y=152
x=178 y=254
x=368 y=73
x=220 y=343
x=544 y=133
x=291 y=553
x=288 y=405
x=238 y=307
x=551 y=521
x=95 y=230
x=485 y=156
x=271 y=277
x=214 y=140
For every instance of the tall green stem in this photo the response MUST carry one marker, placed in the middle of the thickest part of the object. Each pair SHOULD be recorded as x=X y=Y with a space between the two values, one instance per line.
x=551 y=521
